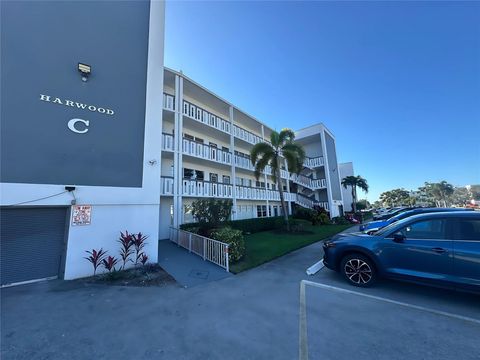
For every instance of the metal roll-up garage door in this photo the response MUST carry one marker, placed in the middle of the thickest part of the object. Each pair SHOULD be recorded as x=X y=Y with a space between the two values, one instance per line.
x=32 y=243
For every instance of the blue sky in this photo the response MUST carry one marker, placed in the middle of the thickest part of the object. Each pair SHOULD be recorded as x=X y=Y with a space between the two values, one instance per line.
x=398 y=83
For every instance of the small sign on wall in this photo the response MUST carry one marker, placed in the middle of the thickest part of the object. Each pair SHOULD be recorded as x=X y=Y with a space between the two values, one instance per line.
x=81 y=215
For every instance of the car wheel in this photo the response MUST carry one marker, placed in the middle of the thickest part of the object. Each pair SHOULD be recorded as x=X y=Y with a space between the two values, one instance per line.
x=358 y=270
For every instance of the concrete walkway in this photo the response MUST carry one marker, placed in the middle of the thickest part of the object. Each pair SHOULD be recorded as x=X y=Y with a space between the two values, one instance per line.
x=187 y=268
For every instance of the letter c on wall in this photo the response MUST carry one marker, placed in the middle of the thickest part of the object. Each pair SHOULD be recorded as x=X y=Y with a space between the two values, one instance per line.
x=73 y=122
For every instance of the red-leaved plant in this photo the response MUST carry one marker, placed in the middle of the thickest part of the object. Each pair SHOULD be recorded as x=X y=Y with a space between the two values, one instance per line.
x=143 y=259
x=138 y=243
x=96 y=257
x=109 y=263
x=126 y=244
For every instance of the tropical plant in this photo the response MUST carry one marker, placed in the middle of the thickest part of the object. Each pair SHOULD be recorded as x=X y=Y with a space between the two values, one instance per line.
x=354 y=182
x=109 y=263
x=143 y=259
x=395 y=197
x=139 y=243
x=282 y=146
x=95 y=257
x=126 y=247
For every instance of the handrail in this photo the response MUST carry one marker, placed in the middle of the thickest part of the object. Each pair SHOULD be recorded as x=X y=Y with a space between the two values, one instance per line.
x=212 y=250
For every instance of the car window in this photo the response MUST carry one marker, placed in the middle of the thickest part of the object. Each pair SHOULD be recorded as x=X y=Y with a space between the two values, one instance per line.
x=426 y=229
x=467 y=229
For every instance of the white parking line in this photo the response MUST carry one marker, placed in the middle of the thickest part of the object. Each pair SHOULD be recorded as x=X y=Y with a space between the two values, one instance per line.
x=303 y=344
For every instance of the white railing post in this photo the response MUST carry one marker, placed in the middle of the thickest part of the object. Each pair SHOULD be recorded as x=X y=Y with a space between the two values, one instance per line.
x=189 y=242
x=226 y=259
x=204 y=248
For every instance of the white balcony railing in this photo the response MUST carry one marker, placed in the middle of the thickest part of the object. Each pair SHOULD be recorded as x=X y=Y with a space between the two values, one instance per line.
x=167 y=142
x=197 y=113
x=200 y=188
x=243 y=162
x=166 y=185
x=204 y=151
x=168 y=102
x=246 y=135
x=314 y=162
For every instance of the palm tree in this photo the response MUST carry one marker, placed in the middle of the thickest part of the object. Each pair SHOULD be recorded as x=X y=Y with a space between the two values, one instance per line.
x=270 y=154
x=354 y=182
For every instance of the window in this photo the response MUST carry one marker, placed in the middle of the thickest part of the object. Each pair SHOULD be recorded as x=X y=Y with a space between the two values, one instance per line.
x=427 y=229
x=199 y=175
x=213 y=177
x=274 y=187
x=199 y=140
x=275 y=210
x=189 y=137
x=467 y=229
x=188 y=173
x=226 y=179
x=261 y=210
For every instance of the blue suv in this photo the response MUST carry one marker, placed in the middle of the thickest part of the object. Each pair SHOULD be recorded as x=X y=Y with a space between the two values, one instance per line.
x=441 y=249
x=373 y=226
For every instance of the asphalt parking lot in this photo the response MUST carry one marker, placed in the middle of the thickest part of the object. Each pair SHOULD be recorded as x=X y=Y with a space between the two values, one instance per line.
x=252 y=315
x=361 y=325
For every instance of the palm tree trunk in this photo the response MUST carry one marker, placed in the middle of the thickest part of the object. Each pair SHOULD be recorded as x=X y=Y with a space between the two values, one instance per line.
x=354 y=197
x=282 y=199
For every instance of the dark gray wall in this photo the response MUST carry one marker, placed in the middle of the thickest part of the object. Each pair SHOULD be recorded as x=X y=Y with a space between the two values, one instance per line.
x=42 y=42
x=333 y=167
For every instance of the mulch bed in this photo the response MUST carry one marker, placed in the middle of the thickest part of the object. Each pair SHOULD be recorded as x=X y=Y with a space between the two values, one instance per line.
x=142 y=276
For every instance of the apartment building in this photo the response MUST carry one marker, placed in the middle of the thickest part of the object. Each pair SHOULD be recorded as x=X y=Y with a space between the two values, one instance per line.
x=206 y=143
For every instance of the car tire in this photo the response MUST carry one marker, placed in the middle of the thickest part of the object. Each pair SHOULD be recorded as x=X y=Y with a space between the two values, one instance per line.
x=358 y=270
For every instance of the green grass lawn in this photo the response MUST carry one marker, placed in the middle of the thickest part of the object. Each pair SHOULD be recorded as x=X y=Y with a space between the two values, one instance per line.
x=267 y=245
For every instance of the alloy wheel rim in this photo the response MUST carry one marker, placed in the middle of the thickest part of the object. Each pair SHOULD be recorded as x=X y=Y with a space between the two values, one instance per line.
x=358 y=271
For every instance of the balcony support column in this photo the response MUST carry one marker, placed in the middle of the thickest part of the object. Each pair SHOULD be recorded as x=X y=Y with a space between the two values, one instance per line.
x=177 y=155
x=232 y=150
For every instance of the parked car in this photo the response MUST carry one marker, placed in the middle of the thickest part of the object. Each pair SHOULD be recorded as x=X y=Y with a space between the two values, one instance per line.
x=441 y=249
x=373 y=226
x=391 y=213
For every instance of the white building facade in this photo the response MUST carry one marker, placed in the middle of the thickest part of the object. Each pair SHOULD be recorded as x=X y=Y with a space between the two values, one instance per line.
x=206 y=142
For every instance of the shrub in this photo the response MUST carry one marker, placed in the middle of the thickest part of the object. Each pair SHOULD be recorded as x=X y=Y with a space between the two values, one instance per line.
x=303 y=213
x=251 y=226
x=210 y=213
x=340 y=220
x=234 y=238
x=324 y=219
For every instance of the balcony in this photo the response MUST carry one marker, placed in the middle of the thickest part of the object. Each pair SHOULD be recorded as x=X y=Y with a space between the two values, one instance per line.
x=168 y=102
x=167 y=142
x=197 y=113
x=243 y=162
x=207 y=152
x=314 y=162
x=246 y=135
x=199 y=188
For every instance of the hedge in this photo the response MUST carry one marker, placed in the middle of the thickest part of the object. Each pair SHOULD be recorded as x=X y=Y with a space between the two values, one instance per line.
x=253 y=225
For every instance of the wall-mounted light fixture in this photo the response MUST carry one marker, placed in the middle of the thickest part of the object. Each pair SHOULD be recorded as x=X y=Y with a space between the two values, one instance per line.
x=85 y=70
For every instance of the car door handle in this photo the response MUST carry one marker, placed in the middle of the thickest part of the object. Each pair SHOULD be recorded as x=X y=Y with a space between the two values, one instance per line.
x=439 y=250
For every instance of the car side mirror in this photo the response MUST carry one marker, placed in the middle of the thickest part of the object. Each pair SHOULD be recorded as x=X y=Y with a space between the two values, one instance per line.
x=398 y=237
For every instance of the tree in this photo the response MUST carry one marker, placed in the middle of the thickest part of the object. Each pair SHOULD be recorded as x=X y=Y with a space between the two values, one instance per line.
x=354 y=182
x=395 y=197
x=460 y=197
x=210 y=213
x=282 y=145
x=439 y=192
x=363 y=204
